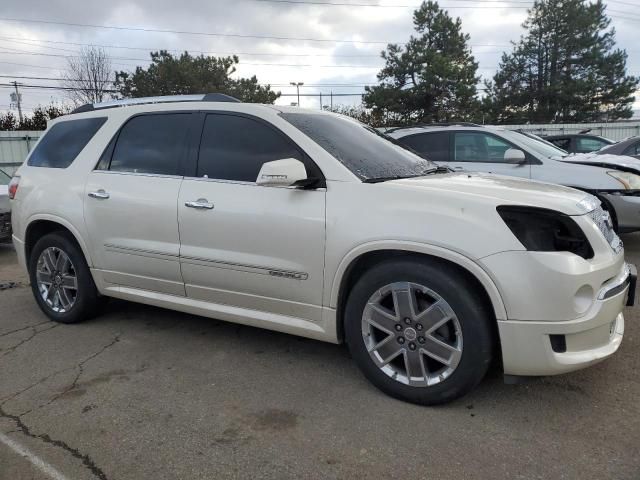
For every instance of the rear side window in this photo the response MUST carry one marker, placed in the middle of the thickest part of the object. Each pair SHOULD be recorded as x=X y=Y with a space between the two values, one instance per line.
x=585 y=145
x=235 y=148
x=434 y=146
x=633 y=149
x=153 y=144
x=64 y=141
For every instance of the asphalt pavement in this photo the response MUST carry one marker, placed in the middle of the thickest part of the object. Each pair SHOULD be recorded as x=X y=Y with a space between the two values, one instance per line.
x=146 y=393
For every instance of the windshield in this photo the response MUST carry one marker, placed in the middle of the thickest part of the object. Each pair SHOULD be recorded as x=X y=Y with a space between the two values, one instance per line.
x=4 y=178
x=366 y=152
x=540 y=147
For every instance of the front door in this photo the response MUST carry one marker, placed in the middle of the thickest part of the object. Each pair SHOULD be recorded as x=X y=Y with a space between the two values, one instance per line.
x=246 y=245
x=131 y=204
x=483 y=152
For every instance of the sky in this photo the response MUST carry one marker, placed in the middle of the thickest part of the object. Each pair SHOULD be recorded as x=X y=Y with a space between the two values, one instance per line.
x=329 y=47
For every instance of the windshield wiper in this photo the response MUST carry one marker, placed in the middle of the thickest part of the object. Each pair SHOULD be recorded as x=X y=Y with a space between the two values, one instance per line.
x=429 y=171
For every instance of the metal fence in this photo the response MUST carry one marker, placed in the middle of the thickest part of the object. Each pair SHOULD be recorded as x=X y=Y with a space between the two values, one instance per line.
x=615 y=130
x=14 y=147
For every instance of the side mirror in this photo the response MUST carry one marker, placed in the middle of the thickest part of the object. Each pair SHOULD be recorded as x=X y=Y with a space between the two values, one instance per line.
x=513 y=155
x=281 y=173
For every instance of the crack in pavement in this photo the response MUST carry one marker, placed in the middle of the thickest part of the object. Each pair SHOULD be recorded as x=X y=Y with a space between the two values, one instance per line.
x=34 y=333
x=23 y=428
x=4 y=334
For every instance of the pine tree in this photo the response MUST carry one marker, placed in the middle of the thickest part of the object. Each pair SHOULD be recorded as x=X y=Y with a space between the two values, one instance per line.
x=430 y=79
x=565 y=68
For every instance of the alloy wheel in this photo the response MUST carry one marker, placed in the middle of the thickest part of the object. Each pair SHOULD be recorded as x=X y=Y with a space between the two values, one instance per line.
x=412 y=334
x=56 y=279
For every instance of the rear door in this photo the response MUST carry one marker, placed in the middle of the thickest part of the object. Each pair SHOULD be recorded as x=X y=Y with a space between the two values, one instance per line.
x=247 y=245
x=131 y=203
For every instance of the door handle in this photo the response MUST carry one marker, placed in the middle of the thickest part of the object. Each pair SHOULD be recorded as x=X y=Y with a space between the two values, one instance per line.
x=201 y=203
x=458 y=168
x=100 y=194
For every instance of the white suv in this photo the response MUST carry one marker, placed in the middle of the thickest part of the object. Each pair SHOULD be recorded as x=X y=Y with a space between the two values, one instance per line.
x=313 y=224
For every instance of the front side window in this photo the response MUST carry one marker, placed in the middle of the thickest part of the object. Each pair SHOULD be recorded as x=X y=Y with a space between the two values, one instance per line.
x=584 y=145
x=434 y=146
x=478 y=147
x=367 y=153
x=63 y=142
x=235 y=148
x=152 y=144
x=563 y=143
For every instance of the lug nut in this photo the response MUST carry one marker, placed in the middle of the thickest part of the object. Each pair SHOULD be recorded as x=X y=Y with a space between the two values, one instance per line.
x=400 y=340
x=421 y=339
x=407 y=321
x=412 y=346
x=398 y=327
x=418 y=326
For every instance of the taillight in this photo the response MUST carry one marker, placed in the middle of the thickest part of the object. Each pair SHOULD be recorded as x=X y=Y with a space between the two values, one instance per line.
x=13 y=187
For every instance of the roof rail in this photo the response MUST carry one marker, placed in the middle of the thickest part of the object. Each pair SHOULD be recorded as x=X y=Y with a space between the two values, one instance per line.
x=207 y=97
x=435 y=124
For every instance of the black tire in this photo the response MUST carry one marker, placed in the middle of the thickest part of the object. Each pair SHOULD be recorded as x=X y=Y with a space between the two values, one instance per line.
x=475 y=322
x=87 y=300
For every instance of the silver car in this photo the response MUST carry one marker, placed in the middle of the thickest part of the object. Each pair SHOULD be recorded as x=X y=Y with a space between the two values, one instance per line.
x=473 y=147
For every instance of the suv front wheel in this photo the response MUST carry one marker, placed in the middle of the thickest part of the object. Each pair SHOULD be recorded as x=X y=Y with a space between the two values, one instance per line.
x=419 y=330
x=61 y=280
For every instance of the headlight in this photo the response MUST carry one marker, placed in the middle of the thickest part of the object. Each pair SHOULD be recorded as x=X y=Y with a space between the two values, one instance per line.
x=631 y=181
x=542 y=230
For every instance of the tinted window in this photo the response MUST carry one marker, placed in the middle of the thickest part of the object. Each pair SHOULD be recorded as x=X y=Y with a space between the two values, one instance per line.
x=234 y=148
x=63 y=142
x=589 y=144
x=434 y=146
x=151 y=144
x=478 y=147
x=363 y=150
x=633 y=149
x=563 y=143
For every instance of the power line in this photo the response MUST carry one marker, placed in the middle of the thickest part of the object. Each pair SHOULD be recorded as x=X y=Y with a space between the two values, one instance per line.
x=414 y=5
x=187 y=32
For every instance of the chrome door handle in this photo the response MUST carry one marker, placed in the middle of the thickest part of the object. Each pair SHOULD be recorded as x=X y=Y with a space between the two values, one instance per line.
x=201 y=203
x=458 y=168
x=101 y=194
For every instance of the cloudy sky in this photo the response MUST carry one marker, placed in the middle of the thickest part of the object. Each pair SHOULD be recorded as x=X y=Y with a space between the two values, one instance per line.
x=328 y=47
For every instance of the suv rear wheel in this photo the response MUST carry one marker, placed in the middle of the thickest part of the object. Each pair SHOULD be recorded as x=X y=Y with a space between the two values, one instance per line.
x=61 y=280
x=419 y=331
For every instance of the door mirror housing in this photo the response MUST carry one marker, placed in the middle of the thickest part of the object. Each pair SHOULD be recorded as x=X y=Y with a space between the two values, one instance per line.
x=513 y=155
x=282 y=173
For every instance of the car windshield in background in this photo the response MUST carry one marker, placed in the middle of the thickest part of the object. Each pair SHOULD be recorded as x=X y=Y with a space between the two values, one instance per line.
x=369 y=154
x=4 y=178
x=541 y=147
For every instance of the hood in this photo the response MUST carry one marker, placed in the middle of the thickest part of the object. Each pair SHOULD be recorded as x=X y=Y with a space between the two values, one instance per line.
x=616 y=162
x=503 y=190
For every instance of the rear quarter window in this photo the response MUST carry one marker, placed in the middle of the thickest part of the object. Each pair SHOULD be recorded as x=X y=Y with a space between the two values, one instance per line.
x=64 y=141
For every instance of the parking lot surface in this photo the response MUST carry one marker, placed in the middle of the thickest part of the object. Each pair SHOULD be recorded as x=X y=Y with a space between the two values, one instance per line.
x=146 y=393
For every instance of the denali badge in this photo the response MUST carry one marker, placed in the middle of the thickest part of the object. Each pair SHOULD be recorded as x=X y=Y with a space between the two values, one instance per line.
x=293 y=275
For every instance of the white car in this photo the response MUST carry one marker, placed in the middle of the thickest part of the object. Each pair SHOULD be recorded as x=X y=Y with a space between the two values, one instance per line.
x=313 y=224
x=471 y=147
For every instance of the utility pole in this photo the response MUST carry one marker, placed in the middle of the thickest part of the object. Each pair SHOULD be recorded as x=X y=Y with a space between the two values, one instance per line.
x=15 y=84
x=320 y=100
x=297 y=85
x=332 y=100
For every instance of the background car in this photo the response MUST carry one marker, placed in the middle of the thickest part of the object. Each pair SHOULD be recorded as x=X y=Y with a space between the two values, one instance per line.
x=5 y=208
x=629 y=147
x=467 y=146
x=578 y=142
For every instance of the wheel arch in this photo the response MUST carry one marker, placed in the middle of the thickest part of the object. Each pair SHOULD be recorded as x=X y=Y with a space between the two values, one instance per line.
x=365 y=256
x=40 y=225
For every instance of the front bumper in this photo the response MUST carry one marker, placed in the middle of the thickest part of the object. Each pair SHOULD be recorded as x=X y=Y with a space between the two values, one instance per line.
x=550 y=348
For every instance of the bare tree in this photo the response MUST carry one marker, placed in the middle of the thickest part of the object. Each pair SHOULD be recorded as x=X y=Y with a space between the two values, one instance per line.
x=87 y=76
